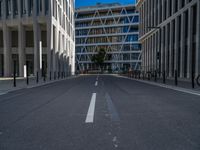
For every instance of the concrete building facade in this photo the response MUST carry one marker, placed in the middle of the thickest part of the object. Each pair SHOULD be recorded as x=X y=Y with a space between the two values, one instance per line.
x=38 y=35
x=170 y=36
x=112 y=27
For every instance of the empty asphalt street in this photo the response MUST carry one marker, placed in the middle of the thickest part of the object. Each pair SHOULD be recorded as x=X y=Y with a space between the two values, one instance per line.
x=99 y=112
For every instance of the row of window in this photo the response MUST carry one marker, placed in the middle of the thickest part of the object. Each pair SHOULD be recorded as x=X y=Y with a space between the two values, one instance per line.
x=154 y=12
x=125 y=47
x=110 y=30
x=12 y=8
x=110 y=21
x=112 y=39
x=110 y=57
x=106 y=13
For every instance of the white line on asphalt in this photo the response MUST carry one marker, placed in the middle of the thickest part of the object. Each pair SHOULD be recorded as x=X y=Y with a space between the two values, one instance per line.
x=184 y=90
x=3 y=93
x=96 y=83
x=90 y=114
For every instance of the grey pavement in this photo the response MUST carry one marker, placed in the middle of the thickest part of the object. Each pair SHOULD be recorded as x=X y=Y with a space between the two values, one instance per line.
x=183 y=83
x=128 y=115
x=7 y=84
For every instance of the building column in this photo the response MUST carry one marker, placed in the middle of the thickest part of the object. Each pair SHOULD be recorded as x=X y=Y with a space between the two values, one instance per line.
x=198 y=40
x=43 y=7
x=37 y=39
x=155 y=51
x=55 y=52
x=7 y=51
x=49 y=48
x=1 y=65
x=176 y=44
x=21 y=49
x=182 y=52
x=162 y=50
x=189 y=42
x=145 y=55
x=159 y=50
x=166 y=48
x=170 y=49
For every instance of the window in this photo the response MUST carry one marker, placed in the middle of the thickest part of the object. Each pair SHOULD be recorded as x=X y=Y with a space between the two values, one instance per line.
x=15 y=8
x=30 y=7
x=8 y=7
x=0 y=8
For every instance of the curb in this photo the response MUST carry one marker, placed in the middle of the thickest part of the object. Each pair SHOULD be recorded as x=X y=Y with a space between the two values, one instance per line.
x=3 y=92
x=180 y=89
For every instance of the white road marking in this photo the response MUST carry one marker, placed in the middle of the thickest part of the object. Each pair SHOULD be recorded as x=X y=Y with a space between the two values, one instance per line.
x=96 y=83
x=184 y=90
x=90 y=114
x=3 y=93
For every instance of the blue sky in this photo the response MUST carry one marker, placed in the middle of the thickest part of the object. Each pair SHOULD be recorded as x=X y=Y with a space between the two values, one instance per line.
x=80 y=3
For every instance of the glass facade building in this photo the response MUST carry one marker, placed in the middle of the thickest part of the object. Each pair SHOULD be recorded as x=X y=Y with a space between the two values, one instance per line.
x=112 y=27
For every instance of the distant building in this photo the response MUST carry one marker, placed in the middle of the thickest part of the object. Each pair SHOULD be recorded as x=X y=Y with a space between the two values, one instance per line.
x=113 y=27
x=28 y=25
x=170 y=36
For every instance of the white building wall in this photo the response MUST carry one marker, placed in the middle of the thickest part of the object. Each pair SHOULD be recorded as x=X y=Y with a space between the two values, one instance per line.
x=182 y=22
x=50 y=17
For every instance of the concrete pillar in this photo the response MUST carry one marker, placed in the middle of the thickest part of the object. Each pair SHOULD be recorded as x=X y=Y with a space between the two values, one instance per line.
x=156 y=49
x=49 y=48
x=55 y=54
x=198 y=40
x=176 y=44
x=19 y=9
x=145 y=55
x=163 y=10
x=1 y=65
x=182 y=57
x=21 y=49
x=166 y=48
x=162 y=49
x=171 y=31
x=189 y=42
x=43 y=7
x=167 y=10
x=12 y=11
x=37 y=39
x=7 y=51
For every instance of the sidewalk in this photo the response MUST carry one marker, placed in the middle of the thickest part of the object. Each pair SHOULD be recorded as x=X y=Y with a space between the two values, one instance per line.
x=7 y=84
x=183 y=85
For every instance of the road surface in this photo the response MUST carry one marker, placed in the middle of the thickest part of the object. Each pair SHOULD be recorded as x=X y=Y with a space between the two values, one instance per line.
x=99 y=113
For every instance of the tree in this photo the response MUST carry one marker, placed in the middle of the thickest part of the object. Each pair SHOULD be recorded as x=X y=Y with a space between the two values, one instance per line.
x=99 y=58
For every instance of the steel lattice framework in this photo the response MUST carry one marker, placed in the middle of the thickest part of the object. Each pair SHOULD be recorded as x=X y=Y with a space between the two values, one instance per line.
x=113 y=27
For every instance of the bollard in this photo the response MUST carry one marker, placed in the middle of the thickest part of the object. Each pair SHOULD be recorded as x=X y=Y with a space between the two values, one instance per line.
x=149 y=78
x=155 y=76
x=198 y=80
x=50 y=76
x=14 y=75
x=54 y=75
x=192 y=77
x=37 y=78
x=143 y=75
x=44 y=77
x=176 y=78
x=27 y=77
x=164 y=79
